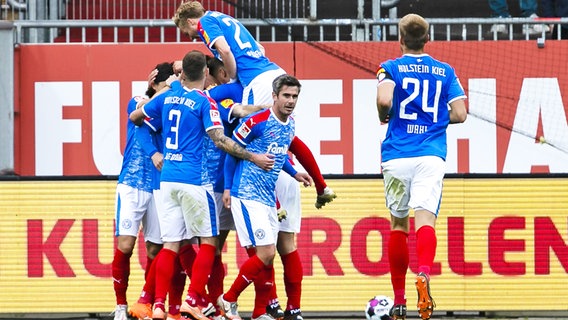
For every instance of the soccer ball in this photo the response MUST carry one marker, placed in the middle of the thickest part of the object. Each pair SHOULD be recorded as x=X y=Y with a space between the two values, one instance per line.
x=378 y=308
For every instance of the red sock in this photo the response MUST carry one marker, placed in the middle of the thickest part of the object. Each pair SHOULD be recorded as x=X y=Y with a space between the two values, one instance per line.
x=248 y=272
x=215 y=284
x=263 y=285
x=251 y=251
x=398 y=259
x=426 y=243
x=176 y=288
x=187 y=256
x=293 y=274
x=120 y=275
x=149 y=289
x=165 y=261
x=202 y=269
x=307 y=160
x=148 y=266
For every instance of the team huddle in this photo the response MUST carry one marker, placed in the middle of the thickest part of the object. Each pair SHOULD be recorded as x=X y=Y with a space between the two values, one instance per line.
x=208 y=151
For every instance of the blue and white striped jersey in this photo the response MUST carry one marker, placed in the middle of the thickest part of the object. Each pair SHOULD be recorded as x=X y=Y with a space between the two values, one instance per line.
x=137 y=170
x=261 y=133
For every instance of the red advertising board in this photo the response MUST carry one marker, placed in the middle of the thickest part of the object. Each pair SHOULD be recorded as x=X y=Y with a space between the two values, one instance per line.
x=71 y=100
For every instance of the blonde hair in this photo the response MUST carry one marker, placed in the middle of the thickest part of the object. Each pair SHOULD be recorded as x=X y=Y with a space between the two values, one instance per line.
x=188 y=10
x=413 y=31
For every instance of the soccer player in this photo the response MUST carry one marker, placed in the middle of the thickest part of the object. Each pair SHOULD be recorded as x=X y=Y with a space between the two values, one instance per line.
x=244 y=60
x=418 y=96
x=288 y=193
x=189 y=119
x=135 y=201
x=250 y=194
x=230 y=113
x=154 y=294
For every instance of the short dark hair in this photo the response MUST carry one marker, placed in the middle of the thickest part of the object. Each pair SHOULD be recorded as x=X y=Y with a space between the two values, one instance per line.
x=193 y=65
x=285 y=80
x=214 y=65
x=165 y=70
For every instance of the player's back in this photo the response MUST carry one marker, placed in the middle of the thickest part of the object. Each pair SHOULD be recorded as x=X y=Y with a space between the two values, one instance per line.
x=424 y=87
x=186 y=115
x=249 y=57
x=262 y=133
x=137 y=170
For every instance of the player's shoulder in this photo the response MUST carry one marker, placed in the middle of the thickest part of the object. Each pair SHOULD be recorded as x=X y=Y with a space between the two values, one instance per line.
x=212 y=16
x=257 y=118
x=205 y=97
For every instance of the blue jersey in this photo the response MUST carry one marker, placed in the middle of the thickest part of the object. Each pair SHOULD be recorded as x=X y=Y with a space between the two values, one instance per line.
x=187 y=115
x=224 y=95
x=137 y=170
x=424 y=88
x=249 y=58
x=261 y=133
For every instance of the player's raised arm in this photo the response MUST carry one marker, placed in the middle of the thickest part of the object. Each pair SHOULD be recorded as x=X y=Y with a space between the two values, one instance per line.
x=226 y=56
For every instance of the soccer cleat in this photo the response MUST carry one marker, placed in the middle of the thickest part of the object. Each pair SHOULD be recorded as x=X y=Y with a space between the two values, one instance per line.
x=208 y=310
x=159 y=314
x=174 y=316
x=120 y=312
x=190 y=308
x=398 y=312
x=327 y=196
x=295 y=314
x=141 y=311
x=425 y=303
x=229 y=310
x=264 y=316
x=275 y=311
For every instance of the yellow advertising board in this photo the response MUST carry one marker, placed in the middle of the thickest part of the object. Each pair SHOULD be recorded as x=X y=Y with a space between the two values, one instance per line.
x=500 y=240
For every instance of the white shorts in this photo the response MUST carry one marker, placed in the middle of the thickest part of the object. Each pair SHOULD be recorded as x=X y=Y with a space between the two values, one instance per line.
x=189 y=211
x=256 y=223
x=288 y=194
x=413 y=183
x=226 y=221
x=134 y=209
x=259 y=90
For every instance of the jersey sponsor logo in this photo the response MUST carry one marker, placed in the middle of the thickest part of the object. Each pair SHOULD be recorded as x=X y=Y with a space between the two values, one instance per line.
x=173 y=156
x=274 y=148
x=255 y=54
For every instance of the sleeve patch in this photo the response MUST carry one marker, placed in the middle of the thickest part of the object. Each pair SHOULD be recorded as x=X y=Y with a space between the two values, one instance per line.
x=215 y=116
x=244 y=130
